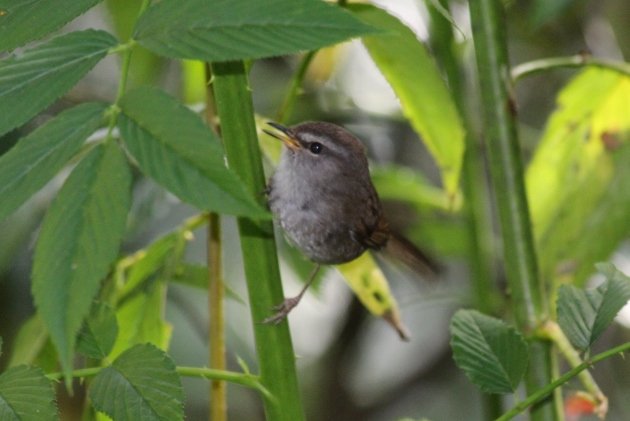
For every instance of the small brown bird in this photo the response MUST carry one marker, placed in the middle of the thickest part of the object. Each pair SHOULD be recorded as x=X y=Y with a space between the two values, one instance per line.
x=324 y=200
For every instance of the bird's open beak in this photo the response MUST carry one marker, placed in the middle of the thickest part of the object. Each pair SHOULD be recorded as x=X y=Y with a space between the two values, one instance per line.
x=286 y=135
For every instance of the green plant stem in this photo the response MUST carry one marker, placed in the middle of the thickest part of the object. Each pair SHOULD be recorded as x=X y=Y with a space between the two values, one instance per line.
x=273 y=343
x=579 y=60
x=216 y=287
x=475 y=191
x=530 y=307
x=543 y=392
x=551 y=330
x=286 y=109
x=243 y=379
x=126 y=50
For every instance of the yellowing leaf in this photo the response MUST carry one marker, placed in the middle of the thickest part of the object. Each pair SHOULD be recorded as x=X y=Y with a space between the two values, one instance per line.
x=370 y=286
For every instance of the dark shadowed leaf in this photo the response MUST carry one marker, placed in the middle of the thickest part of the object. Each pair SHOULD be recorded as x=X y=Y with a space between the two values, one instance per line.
x=174 y=147
x=492 y=354
x=583 y=315
x=141 y=384
x=79 y=239
x=26 y=394
x=33 y=80
x=22 y=21
x=36 y=158
x=224 y=30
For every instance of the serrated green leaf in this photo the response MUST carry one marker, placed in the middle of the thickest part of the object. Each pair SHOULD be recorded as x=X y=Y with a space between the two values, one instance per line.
x=26 y=395
x=141 y=384
x=175 y=148
x=583 y=315
x=225 y=30
x=98 y=334
x=423 y=94
x=33 y=80
x=79 y=239
x=492 y=354
x=577 y=181
x=36 y=158
x=22 y=21
x=141 y=320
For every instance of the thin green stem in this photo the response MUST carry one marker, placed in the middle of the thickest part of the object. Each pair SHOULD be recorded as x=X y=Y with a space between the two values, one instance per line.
x=284 y=114
x=126 y=50
x=243 y=379
x=504 y=155
x=551 y=330
x=274 y=348
x=580 y=60
x=543 y=392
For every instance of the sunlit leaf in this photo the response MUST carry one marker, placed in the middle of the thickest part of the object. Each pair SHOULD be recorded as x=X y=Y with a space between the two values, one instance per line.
x=79 y=239
x=416 y=80
x=33 y=80
x=36 y=158
x=29 y=342
x=26 y=394
x=225 y=30
x=26 y=20
x=174 y=147
x=141 y=320
x=577 y=181
x=370 y=286
x=492 y=354
x=583 y=315
x=141 y=384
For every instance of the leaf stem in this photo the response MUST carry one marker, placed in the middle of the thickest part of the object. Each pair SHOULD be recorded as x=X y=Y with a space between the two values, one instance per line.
x=551 y=330
x=126 y=50
x=579 y=60
x=543 y=392
x=244 y=379
x=284 y=114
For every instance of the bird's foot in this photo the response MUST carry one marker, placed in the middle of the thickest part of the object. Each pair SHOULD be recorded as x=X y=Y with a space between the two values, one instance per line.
x=282 y=310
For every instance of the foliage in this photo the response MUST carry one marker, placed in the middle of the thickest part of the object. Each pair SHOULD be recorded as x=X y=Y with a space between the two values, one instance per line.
x=93 y=300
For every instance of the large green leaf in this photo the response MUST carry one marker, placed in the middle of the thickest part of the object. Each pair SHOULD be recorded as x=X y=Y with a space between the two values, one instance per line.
x=224 y=30
x=174 y=147
x=578 y=182
x=491 y=353
x=39 y=156
x=25 y=20
x=79 y=239
x=416 y=80
x=26 y=394
x=32 y=81
x=583 y=315
x=141 y=384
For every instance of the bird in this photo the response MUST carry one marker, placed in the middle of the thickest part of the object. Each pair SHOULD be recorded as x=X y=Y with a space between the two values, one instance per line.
x=322 y=195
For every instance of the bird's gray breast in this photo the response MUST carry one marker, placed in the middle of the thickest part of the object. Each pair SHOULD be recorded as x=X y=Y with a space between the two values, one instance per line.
x=314 y=215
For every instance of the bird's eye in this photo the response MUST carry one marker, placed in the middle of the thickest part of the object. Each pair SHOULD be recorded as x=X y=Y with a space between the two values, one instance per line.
x=315 y=147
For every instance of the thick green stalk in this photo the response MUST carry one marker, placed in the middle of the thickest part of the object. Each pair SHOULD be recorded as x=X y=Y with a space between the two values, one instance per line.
x=475 y=191
x=273 y=343
x=530 y=307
